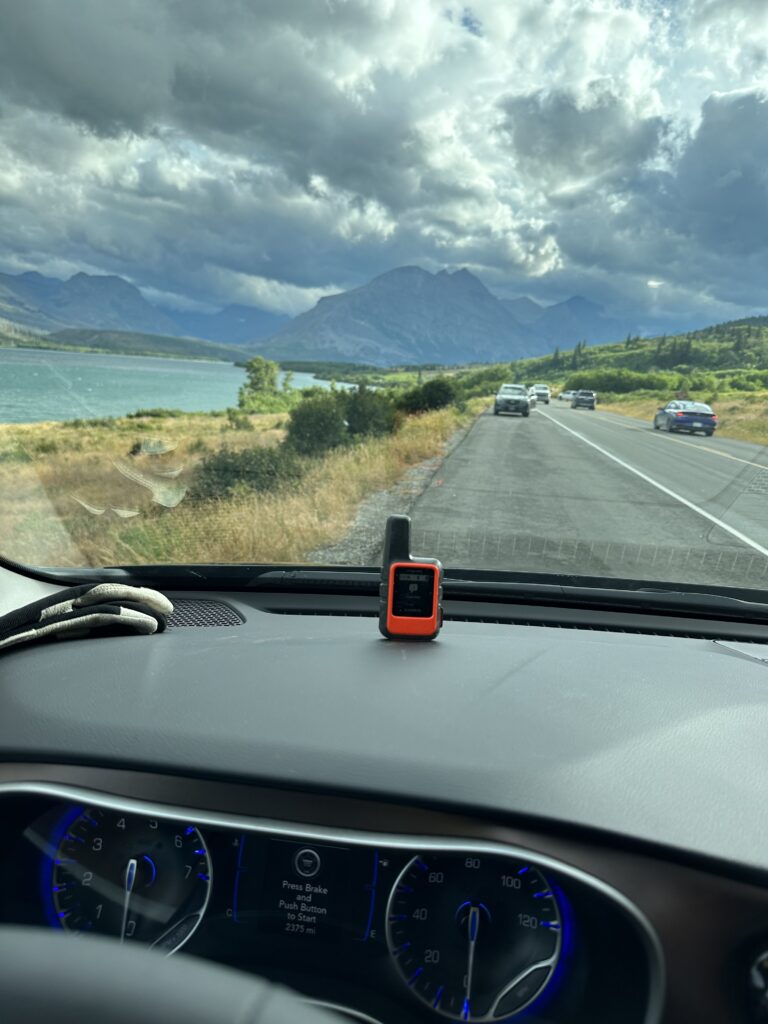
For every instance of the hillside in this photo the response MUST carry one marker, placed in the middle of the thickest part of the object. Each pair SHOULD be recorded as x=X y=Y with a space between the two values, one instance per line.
x=135 y=344
x=407 y=316
x=737 y=349
x=726 y=357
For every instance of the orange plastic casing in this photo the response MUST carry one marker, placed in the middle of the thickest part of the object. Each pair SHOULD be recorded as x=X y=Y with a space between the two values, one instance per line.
x=414 y=626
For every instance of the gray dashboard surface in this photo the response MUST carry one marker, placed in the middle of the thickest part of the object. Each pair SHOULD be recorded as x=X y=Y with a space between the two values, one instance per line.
x=657 y=738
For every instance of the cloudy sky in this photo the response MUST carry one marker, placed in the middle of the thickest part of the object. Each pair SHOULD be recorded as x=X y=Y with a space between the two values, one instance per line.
x=273 y=151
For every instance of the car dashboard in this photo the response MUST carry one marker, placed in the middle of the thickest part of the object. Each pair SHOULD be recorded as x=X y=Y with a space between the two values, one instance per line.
x=377 y=924
x=501 y=825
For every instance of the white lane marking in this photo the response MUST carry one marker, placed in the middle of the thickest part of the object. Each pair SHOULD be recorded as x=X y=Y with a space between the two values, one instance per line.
x=660 y=487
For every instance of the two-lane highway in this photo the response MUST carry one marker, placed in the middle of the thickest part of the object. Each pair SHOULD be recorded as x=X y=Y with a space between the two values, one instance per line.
x=598 y=494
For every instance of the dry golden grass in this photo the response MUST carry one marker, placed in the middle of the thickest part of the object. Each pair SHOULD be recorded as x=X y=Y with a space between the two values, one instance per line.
x=44 y=525
x=741 y=417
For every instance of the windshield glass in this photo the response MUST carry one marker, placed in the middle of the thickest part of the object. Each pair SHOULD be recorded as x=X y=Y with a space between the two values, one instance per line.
x=264 y=269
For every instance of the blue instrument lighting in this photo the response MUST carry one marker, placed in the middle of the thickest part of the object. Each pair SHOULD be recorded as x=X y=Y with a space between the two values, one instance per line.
x=153 y=869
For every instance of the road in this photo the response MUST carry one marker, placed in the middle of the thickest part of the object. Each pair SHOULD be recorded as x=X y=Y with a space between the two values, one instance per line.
x=598 y=494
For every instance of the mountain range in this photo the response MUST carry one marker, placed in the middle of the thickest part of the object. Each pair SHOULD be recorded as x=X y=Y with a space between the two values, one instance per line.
x=407 y=315
x=112 y=303
x=411 y=316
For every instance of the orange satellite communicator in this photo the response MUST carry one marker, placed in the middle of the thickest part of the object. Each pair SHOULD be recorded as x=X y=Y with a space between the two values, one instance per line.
x=411 y=589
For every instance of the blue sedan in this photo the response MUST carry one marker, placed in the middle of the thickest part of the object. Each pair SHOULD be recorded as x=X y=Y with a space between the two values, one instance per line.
x=692 y=417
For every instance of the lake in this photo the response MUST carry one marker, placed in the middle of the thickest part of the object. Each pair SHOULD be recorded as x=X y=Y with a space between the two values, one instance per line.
x=42 y=384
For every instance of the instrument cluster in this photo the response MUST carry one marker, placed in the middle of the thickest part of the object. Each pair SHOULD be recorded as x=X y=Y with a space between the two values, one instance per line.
x=390 y=928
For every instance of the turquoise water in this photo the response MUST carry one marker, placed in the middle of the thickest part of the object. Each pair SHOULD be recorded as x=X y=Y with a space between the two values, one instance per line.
x=36 y=385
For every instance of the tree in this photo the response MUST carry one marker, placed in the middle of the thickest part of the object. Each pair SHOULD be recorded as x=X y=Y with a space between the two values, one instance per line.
x=436 y=393
x=317 y=425
x=368 y=413
x=261 y=382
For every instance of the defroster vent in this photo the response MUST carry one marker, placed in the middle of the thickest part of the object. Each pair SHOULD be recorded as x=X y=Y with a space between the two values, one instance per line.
x=189 y=611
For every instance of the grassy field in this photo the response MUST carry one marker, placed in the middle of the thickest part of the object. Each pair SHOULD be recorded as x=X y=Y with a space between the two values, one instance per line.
x=741 y=417
x=69 y=494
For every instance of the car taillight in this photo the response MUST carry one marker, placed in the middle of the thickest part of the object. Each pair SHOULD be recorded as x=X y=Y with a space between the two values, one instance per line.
x=679 y=414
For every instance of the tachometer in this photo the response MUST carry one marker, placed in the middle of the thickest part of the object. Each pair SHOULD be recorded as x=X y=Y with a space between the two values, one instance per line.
x=135 y=878
x=475 y=937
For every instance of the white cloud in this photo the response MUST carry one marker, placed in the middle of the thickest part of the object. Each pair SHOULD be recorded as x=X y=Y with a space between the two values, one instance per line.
x=280 y=151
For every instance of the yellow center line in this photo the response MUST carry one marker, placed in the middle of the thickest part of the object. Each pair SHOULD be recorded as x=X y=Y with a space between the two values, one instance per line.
x=689 y=444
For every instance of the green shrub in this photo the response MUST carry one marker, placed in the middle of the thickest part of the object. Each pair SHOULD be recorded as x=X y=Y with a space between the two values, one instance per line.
x=620 y=382
x=45 y=446
x=227 y=472
x=368 y=413
x=102 y=421
x=155 y=414
x=317 y=425
x=435 y=394
x=238 y=420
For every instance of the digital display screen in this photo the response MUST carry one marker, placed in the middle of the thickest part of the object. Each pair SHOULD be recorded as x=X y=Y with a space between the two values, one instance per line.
x=313 y=890
x=414 y=593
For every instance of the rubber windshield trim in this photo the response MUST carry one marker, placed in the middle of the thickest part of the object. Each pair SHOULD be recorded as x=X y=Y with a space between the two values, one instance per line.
x=504 y=587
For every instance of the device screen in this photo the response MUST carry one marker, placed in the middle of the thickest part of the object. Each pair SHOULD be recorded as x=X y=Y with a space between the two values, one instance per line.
x=414 y=593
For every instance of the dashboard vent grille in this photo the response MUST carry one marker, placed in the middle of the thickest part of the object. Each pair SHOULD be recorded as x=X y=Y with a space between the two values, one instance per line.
x=199 y=613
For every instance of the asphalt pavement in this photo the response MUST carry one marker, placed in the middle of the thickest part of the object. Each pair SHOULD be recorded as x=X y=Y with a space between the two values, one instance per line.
x=598 y=494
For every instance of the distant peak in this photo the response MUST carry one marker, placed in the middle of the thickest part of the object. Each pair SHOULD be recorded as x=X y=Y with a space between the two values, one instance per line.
x=101 y=281
x=406 y=271
x=579 y=302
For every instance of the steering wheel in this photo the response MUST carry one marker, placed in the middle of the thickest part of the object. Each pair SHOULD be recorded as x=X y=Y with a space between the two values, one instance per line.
x=48 y=976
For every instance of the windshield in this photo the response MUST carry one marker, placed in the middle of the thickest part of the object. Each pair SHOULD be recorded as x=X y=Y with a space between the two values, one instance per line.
x=265 y=268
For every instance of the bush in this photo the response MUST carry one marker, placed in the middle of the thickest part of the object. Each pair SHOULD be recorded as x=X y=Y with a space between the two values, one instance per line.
x=620 y=382
x=238 y=420
x=45 y=446
x=317 y=425
x=155 y=414
x=103 y=421
x=368 y=413
x=435 y=394
x=227 y=472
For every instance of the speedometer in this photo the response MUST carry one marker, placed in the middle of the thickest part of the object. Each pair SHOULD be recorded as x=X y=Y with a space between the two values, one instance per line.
x=475 y=937
x=135 y=878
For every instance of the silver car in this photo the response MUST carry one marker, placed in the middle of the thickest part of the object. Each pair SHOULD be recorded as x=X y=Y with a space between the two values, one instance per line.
x=512 y=398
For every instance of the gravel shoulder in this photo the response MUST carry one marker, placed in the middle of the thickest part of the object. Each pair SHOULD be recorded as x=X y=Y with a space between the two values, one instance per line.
x=362 y=543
